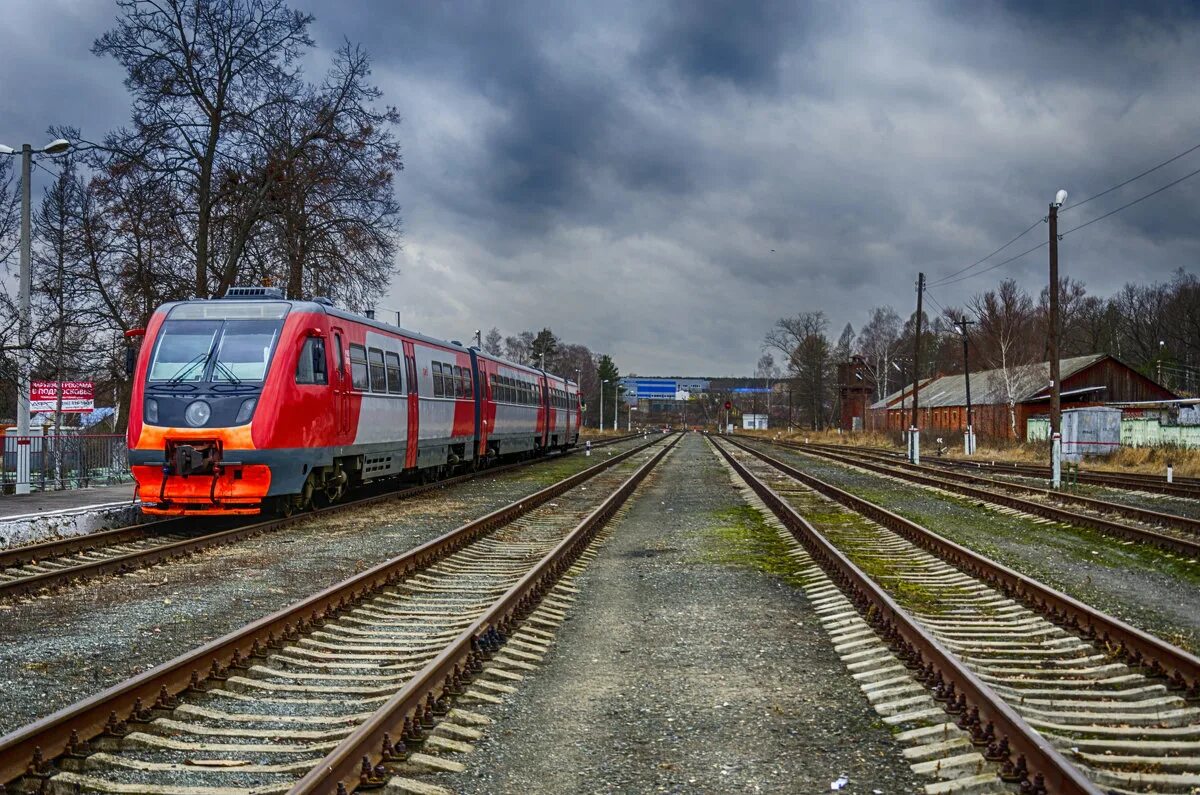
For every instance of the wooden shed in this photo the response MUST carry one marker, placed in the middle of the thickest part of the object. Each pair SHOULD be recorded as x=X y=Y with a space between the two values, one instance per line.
x=1093 y=380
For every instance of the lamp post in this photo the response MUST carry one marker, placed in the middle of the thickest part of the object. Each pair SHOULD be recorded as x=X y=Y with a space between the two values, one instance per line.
x=600 y=424
x=478 y=335
x=24 y=308
x=1055 y=386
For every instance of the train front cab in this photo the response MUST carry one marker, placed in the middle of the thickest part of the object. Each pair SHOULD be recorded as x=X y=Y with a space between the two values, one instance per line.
x=212 y=383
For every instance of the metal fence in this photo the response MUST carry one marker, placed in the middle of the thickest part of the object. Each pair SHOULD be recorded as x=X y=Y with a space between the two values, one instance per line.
x=68 y=461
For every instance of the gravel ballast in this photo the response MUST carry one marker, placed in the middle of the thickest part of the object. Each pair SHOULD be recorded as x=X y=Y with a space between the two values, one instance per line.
x=59 y=648
x=1153 y=590
x=689 y=663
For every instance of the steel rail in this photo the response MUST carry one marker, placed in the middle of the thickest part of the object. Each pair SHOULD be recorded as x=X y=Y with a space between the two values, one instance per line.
x=49 y=737
x=1023 y=753
x=1175 y=520
x=1138 y=648
x=1106 y=526
x=1130 y=481
x=352 y=763
x=131 y=561
x=56 y=548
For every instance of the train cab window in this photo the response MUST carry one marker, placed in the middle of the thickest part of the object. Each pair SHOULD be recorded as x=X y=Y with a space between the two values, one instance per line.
x=393 y=373
x=378 y=373
x=439 y=389
x=358 y=368
x=310 y=367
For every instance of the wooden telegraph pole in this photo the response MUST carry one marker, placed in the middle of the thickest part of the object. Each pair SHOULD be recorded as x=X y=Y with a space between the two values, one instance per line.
x=914 y=435
x=1055 y=386
x=969 y=440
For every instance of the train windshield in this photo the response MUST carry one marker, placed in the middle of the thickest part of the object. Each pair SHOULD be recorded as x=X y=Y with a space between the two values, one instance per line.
x=225 y=344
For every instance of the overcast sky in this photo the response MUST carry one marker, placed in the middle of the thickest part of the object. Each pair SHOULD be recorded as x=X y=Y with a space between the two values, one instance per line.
x=660 y=181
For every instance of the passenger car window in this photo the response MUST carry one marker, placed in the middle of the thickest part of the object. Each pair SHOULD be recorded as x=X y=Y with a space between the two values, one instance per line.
x=438 y=385
x=358 y=367
x=310 y=366
x=393 y=373
x=378 y=374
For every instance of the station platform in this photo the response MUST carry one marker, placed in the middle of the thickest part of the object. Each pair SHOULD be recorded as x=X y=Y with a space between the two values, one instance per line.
x=40 y=503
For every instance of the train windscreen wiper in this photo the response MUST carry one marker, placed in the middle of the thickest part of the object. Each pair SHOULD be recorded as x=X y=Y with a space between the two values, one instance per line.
x=200 y=358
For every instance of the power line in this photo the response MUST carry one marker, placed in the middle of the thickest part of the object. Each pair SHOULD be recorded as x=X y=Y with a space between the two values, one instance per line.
x=1028 y=229
x=1120 y=185
x=1130 y=204
x=935 y=301
x=1002 y=263
x=950 y=278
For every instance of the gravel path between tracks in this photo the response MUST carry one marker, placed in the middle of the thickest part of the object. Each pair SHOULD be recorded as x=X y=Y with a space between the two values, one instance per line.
x=61 y=647
x=687 y=666
x=1152 y=590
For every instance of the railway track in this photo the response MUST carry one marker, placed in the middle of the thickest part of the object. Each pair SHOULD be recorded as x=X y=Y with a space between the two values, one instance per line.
x=335 y=692
x=1048 y=691
x=1172 y=532
x=29 y=569
x=1130 y=481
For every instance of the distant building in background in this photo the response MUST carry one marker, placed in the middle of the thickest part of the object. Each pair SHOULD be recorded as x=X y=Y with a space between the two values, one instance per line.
x=1094 y=380
x=856 y=385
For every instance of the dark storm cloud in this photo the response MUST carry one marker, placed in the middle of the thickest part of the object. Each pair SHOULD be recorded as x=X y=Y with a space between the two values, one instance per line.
x=663 y=180
x=726 y=40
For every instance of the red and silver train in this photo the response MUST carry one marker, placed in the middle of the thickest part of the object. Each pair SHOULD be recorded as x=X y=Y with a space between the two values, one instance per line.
x=252 y=402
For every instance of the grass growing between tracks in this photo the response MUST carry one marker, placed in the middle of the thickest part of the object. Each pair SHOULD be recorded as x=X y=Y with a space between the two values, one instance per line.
x=743 y=538
x=1147 y=587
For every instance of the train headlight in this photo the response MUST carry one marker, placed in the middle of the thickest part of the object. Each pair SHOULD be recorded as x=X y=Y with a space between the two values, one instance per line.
x=246 y=411
x=151 y=411
x=197 y=413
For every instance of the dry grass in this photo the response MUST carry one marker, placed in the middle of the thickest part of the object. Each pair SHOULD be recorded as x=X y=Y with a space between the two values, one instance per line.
x=1142 y=460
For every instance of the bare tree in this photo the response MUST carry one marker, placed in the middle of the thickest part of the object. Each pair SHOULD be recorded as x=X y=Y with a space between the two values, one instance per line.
x=493 y=342
x=326 y=187
x=203 y=73
x=801 y=339
x=1007 y=342
x=878 y=342
x=520 y=347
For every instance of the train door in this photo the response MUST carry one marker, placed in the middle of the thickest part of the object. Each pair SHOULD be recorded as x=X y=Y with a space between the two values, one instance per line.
x=544 y=389
x=341 y=387
x=476 y=405
x=566 y=412
x=414 y=407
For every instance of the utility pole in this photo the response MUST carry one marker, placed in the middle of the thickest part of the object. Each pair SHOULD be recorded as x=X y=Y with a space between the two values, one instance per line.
x=1055 y=386
x=24 y=336
x=914 y=436
x=969 y=438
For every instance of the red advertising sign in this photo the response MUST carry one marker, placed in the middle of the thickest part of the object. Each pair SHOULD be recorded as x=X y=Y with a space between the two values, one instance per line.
x=77 y=396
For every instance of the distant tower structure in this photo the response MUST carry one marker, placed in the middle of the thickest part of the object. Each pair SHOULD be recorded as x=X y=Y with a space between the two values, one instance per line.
x=856 y=387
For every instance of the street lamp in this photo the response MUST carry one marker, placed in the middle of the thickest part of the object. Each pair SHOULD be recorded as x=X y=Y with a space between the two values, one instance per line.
x=601 y=423
x=24 y=310
x=1060 y=198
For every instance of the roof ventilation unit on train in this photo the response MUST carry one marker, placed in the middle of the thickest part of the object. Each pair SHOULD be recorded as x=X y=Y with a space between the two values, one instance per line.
x=322 y=300
x=252 y=293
